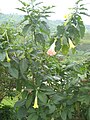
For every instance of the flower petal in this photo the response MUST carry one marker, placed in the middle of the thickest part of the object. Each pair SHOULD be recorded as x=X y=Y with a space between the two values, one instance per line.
x=35 y=103
x=71 y=44
x=51 y=50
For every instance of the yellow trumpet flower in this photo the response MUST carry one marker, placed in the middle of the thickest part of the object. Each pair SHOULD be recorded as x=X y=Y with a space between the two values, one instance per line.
x=51 y=50
x=8 y=59
x=71 y=44
x=35 y=102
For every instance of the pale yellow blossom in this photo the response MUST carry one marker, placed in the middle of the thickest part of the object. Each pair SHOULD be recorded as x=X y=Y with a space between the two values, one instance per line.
x=71 y=44
x=35 y=102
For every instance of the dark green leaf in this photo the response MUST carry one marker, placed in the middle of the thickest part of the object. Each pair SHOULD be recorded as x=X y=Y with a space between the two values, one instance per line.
x=13 y=72
x=74 y=33
x=60 y=30
x=42 y=97
x=83 y=8
x=78 y=1
x=24 y=3
x=83 y=13
x=24 y=94
x=19 y=103
x=6 y=64
x=19 y=85
x=38 y=3
x=21 y=9
x=80 y=26
x=52 y=108
x=58 y=44
x=28 y=101
x=25 y=29
x=2 y=56
x=23 y=65
x=21 y=112
x=89 y=113
x=44 y=28
x=57 y=98
x=64 y=114
x=39 y=38
x=32 y=117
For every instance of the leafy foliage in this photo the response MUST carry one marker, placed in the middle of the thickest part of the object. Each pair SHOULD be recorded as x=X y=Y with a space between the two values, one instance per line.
x=51 y=88
x=7 y=113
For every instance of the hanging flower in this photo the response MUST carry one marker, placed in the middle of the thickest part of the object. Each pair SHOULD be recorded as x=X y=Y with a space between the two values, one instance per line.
x=8 y=59
x=71 y=44
x=51 y=50
x=35 y=102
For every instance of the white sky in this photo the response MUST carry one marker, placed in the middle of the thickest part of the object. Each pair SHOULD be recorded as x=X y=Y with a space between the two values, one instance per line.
x=8 y=6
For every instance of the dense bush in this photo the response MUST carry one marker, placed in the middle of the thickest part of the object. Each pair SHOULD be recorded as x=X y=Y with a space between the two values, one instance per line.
x=7 y=113
x=53 y=83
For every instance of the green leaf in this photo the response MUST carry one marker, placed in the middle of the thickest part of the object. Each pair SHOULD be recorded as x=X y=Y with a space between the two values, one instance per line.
x=38 y=3
x=65 y=49
x=83 y=13
x=52 y=108
x=23 y=65
x=19 y=103
x=40 y=38
x=64 y=114
x=42 y=97
x=64 y=40
x=6 y=64
x=89 y=113
x=57 y=98
x=25 y=29
x=58 y=44
x=24 y=3
x=24 y=94
x=19 y=85
x=2 y=56
x=70 y=111
x=21 y=112
x=60 y=30
x=44 y=27
x=32 y=117
x=78 y=1
x=82 y=8
x=80 y=26
x=28 y=101
x=74 y=33
x=21 y=9
x=13 y=72
x=47 y=90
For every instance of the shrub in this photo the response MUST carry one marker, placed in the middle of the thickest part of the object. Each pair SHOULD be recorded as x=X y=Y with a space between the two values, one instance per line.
x=7 y=113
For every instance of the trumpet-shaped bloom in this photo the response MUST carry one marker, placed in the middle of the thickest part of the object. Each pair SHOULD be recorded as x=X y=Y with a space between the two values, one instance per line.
x=51 y=50
x=8 y=59
x=35 y=102
x=71 y=44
